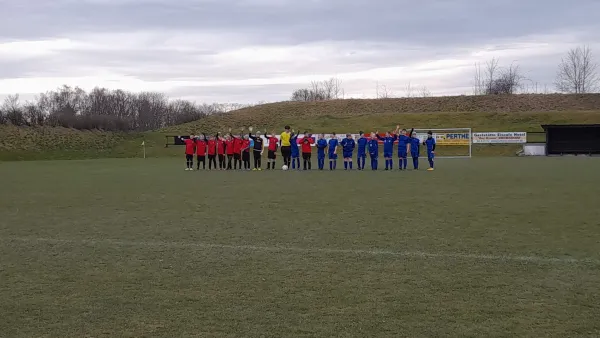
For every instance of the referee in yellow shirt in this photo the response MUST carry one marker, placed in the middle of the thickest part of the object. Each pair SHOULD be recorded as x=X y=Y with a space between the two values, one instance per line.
x=286 y=150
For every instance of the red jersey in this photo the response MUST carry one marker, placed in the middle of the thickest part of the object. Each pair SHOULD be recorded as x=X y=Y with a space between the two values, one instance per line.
x=306 y=144
x=273 y=142
x=212 y=145
x=229 y=147
x=246 y=145
x=189 y=146
x=237 y=145
x=201 y=148
x=221 y=147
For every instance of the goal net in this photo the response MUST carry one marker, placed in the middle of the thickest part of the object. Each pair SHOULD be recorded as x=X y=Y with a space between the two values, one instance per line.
x=450 y=142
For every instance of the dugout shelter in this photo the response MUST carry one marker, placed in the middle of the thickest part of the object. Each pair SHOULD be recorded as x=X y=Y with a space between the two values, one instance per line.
x=572 y=139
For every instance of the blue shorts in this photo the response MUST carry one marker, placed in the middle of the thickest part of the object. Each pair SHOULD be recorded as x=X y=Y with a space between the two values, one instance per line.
x=333 y=156
x=347 y=154
x=387 y=154
x=402 y=154
x=374 y=155
x=321 y=156
x=430 y=154
x=295 y=155
x=361 y=154
x=414 y=154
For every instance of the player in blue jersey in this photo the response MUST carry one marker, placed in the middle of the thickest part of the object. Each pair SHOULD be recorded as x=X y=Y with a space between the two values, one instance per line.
x=321 y=146
x=388 y=148
x=295 y=151
x=361 y=155
x=373 y=145
x=348 y=145
x=414 y=149
x=332 y=151
x=403 y=141
x=430 y=144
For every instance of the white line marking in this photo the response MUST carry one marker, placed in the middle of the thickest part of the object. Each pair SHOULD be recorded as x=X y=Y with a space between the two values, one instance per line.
x=368 y=252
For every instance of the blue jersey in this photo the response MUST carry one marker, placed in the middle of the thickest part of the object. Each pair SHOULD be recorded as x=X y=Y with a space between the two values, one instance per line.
x=294 y=146
x=333 y=143
x=348 y=145
x=373 y=147
x=403 y=140
x=430 y=143
x=251 y=144
x=388 y=143
x=414 y=146
x=362 y=145
x=321 y=145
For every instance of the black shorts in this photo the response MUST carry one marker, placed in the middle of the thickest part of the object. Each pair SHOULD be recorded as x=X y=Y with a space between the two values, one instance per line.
x=189 y=157
x=286 y=151
x=236 y=156
x=246 y=156
x=271 y=155
x=306 y=156
x=201 y=158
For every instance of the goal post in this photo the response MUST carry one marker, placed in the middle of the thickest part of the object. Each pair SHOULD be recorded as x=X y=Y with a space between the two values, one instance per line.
x=450 y=142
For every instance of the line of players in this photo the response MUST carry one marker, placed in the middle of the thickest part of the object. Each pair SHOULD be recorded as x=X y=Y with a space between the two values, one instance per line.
x=232 y=152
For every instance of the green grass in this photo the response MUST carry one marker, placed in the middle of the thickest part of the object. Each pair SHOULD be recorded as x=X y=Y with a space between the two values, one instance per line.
x=485 y=247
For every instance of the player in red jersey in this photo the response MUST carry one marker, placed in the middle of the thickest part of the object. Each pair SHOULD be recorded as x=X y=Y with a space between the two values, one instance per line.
x=190 y=144
x=273 y=143
x=307 y=142
x=246 y=152
x=221 y=151
x=201 y=151
x=212 y=152
x=229 y=149
x=237 y=150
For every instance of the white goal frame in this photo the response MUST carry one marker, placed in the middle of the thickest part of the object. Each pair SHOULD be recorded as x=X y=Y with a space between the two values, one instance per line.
x=469 y=131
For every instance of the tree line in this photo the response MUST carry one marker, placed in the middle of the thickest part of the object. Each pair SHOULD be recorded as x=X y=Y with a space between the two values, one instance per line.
x=577 y=73
x=105 y=109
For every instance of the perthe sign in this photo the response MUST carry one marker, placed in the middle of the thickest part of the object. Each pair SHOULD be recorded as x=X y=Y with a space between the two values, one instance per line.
x=500 y=138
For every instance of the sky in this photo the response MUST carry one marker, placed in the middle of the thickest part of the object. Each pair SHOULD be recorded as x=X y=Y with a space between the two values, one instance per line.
x=248 y=51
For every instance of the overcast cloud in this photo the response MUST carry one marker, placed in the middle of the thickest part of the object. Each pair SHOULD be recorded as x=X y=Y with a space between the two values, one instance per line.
x=247 y=51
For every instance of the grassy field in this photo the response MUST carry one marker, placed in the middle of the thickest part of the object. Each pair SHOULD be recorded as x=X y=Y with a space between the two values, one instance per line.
x=491 y=247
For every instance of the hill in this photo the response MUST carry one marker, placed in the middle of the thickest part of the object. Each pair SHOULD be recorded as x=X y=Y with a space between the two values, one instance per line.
x=482 y=113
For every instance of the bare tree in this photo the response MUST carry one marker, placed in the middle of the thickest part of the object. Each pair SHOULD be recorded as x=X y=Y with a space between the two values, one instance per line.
x=12 y=112
x=425 y=92
x=408 y=90
x=494 y=79
x=577 y=72
x=320 y=91
x=382 y=91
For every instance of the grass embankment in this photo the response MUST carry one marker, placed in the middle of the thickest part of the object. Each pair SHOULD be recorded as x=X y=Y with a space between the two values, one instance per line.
x=482 y=113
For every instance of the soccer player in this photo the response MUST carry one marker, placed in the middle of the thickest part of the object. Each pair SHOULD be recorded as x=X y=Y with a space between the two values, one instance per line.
x=285 y=143
x=348 y=145
x=295 y=151
x=246 y=152
x=229 y=148
x=211 y=144
x=332 y=147
x=201 y=152
x=220 y=151
x=321 y=145
x=237 y=150
x=430 y=144
x=307 y=142
x=414 y=150
x=258 y=149
x=403 y=142
x=388 y=148
x=361 y=155
x=271 y=150
x=190 y=144
x=374 y=151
